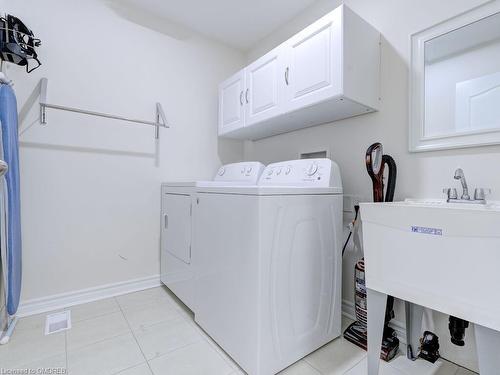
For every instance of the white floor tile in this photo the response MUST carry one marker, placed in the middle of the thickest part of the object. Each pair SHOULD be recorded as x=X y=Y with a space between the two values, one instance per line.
x=78 y=313
x=446 y=368
x=423 y=367
x=195 y=359
x=179 y=304
x=90 y=331
x=33 y=322
x=142 y=369
x=183 y=310
x=158 y=339
x=101 y=342
x=48 y=364
x=28 y=346
x=151 y=313
x=93 y=309
x=105 y=357
x=385 y=369
x=300 y=368
x=463 y=371
x=143 y=298
x=336 y=357
x=216 y=347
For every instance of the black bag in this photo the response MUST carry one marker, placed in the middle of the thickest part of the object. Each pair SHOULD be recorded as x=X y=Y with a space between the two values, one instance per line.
x=18 y=43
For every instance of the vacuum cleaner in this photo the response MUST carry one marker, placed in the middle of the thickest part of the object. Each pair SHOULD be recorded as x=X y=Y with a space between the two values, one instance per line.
x=356 y=333
x=457 y=329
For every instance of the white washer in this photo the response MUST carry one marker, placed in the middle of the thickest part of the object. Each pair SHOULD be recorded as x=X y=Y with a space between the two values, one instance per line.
x=177 y=199
x=268 y=261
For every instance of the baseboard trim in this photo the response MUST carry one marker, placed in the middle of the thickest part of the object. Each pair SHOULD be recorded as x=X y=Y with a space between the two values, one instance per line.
x=63 y=300
x=399 y=327
x=348 y=309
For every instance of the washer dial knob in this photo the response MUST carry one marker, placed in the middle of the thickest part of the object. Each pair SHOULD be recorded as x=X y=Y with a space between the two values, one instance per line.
x=313 y=168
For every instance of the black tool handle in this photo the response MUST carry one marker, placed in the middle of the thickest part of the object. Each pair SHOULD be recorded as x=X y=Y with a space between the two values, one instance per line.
x=391 y=179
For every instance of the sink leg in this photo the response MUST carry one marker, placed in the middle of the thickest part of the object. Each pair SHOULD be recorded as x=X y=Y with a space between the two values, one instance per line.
x=487 y=344
x=376 y=304
x=414 y=314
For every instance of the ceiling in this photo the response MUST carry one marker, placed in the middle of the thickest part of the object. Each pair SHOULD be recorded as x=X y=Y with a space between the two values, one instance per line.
x=237 y=23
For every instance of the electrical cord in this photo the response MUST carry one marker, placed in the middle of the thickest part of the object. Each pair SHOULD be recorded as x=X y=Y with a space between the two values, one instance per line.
x=356 y=208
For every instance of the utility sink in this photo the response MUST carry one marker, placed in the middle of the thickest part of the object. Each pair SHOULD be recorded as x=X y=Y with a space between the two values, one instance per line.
x=445 y=256
x=442 y=255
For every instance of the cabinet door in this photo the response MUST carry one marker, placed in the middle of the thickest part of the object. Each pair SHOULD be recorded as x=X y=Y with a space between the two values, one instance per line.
x=265 y=80
x=176 y=225
x=231 y=103
x=314 y=70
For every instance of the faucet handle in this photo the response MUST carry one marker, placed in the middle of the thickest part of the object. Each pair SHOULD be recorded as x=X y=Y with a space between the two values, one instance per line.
x=451 y=193
x=480 y=194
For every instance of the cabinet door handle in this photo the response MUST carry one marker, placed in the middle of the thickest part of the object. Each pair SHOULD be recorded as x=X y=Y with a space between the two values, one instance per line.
x=241 y=98
x=246 y=95
x=287 y=70
x=165 y=221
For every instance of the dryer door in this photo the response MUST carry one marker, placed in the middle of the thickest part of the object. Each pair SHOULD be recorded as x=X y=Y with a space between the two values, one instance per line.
x=176 y=225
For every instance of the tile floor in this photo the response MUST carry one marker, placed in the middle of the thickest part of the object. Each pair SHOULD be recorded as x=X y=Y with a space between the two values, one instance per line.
x=151 y=332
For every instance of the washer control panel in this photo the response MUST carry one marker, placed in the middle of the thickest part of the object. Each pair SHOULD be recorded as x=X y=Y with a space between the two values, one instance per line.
x=303 y=172
x=247 y=172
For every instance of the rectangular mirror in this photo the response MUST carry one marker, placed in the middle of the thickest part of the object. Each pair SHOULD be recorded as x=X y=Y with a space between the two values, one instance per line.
x=455 y=82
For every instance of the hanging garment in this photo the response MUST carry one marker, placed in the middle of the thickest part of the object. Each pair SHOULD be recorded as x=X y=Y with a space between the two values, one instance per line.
x=10 y=143
x=4 y=317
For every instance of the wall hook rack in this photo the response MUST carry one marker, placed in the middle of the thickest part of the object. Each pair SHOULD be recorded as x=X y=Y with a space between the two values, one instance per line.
x=161 y=121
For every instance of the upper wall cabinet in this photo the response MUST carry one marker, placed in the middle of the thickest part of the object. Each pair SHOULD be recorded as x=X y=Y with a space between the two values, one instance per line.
x=314 y=71
x=265 y=94
x=327 y=72
x=231 y=103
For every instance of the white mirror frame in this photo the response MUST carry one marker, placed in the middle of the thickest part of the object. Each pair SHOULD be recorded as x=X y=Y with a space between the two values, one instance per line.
x=418 y=142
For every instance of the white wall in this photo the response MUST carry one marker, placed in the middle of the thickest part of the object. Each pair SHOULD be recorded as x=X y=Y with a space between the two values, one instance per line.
x=90 y=186
x=419 y=175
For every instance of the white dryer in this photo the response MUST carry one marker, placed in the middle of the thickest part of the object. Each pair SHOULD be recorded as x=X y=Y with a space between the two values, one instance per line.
x=177 y=199
x=268 y=261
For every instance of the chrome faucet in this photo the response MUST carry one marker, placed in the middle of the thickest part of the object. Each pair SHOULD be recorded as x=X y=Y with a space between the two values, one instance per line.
x=452 y=195
x=459 y=175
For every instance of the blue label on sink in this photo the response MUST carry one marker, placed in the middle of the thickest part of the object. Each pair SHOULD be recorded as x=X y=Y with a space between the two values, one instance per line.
x=426 y=230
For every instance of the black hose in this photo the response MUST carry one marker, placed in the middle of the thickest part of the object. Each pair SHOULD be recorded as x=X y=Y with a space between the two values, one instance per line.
x=391 y=180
